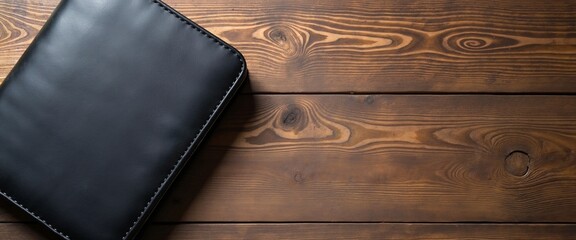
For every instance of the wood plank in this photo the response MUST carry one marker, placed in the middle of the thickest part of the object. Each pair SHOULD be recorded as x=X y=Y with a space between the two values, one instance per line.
x=360 y=231
x=371 y=46
x=21 y=231
x=420 y=158
x=313 y=231
x=389 y=158
x=20 y=21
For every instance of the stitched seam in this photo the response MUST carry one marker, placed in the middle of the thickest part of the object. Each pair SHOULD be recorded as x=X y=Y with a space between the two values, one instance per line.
x=33 y=214
x=155 y=194
x=17 y=68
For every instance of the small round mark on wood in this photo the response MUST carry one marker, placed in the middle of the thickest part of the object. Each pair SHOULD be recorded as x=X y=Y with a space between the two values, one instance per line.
x=369 y=100
x=517 y=163
x=298 y=178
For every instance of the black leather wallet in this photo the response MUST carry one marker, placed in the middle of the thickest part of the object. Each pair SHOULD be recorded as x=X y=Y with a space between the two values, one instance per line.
x=103 y=110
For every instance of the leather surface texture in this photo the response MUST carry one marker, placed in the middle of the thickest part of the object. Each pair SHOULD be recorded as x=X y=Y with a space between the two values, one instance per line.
x=103 y=110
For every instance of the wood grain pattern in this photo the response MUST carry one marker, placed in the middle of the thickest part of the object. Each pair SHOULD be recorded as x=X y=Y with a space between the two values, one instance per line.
x=360 y=231
x=384 y=158
x=327 y=231
x=384 y=166
x=21 y=231
x=20 y=21
x=388 y=158
x=372 y=46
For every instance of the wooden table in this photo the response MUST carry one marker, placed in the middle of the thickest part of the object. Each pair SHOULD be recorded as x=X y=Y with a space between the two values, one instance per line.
x=372 y=120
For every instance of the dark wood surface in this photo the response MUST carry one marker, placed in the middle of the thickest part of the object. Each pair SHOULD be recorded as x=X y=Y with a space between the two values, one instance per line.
x=373 y=120
x=320 y=231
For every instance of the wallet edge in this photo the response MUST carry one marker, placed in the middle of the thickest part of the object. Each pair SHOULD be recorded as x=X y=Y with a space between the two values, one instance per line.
x=168 y=180
x=221 y=104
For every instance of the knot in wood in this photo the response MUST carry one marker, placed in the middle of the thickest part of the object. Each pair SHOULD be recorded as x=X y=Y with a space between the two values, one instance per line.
x=293 y=118
x=480 y=42
x=517 y=163
x=298 y=177
x=285 y=38
x=369 y=100
x=277 y=35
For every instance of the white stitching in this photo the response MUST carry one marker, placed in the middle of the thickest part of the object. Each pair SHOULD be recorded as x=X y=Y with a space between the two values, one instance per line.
x=33 y=214
x=154 y=195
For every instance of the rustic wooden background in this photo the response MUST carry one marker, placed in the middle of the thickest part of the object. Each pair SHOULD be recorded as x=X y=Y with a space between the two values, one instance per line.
x=373 y=119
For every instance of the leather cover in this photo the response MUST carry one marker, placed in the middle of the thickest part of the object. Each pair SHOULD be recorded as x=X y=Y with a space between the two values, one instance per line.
x=103 y=110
